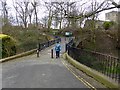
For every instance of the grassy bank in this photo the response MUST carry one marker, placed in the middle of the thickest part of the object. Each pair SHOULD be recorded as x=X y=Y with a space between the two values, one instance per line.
x=26 y=39
x=100 y=41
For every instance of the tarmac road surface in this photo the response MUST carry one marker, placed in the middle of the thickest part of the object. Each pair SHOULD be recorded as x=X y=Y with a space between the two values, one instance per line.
x=42 y=72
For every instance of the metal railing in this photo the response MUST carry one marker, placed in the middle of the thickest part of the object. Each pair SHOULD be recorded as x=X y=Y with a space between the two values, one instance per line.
x=44 y=45
x=105 y=64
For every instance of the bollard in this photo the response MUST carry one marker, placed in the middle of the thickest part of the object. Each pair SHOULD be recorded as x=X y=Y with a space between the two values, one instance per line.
x=66 y=47
x=39 y=48
x=37 y=53
x=48 y=44
x=51 y=53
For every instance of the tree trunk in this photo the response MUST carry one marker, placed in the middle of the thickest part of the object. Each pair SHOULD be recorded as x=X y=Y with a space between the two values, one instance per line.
x=36 y=17
x=50 y=19
x=30 y=17
x=49 y=22
x=17 y=19
x=60 y=24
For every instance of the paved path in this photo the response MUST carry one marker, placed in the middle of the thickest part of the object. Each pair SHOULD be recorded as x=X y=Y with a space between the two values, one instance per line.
x=42 y=72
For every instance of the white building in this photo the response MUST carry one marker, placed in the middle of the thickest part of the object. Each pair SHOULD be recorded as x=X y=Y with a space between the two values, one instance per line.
x=112 y=16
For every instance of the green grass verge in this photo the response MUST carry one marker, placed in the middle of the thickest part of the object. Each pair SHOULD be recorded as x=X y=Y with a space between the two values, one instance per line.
x=18 y=56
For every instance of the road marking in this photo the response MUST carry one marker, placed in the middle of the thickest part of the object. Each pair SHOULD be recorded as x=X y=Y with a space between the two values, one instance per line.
x=79 y=78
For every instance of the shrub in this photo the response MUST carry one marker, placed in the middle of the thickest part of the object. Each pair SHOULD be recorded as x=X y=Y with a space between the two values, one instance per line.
x=8 y=46
x=108 y=25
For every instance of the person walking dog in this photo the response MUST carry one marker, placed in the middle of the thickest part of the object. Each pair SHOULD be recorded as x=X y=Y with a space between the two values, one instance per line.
x=57 y=49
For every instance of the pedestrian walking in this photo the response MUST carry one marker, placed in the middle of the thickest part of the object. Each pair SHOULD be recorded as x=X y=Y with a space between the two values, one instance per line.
x=57 y=49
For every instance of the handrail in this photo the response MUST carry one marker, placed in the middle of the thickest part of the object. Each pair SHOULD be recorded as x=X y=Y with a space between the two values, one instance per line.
x=47 y=44
x=103 y=63
x=44 y=45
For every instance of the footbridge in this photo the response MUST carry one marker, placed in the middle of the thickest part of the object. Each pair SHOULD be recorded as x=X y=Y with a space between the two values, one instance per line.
x=39 y=68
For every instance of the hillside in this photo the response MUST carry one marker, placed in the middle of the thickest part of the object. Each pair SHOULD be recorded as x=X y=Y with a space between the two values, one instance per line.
x=102 y=41
x=26 y=39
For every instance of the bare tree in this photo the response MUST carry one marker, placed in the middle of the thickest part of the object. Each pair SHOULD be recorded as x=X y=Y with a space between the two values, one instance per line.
x=74 y=12
x=16 y=13
x=102 y=7
x=60 y=11
x=96 y=8
x=71 y=9
x=49 y=7
x=5 y=9
x=30 y=14
x=56 y=20
x=44 y=21
x=23 y=12
x=35 y=5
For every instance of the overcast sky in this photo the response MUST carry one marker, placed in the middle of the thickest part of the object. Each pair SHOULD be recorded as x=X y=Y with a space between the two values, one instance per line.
x=42 y=9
